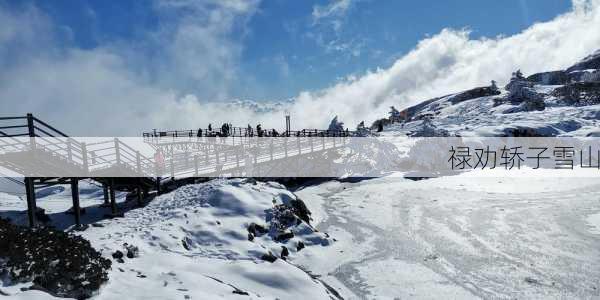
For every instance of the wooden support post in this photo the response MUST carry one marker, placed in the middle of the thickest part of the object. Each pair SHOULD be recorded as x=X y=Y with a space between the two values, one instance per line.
x=140 y=197
x=157 y=185
x=105 y=190
x=75 y=196
x=31 y=207
x=113 y=199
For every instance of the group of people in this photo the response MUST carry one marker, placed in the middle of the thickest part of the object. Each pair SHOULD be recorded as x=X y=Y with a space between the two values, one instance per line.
x=227 y=130
x=260 y=132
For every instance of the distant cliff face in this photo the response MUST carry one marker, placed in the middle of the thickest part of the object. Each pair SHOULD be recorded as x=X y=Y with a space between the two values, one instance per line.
x=554 y=103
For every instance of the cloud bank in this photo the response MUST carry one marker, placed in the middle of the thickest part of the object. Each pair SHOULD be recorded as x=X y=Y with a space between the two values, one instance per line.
x=110 y=91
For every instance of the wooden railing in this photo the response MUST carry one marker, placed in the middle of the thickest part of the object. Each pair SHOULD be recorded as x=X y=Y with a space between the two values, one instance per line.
x=89 y=157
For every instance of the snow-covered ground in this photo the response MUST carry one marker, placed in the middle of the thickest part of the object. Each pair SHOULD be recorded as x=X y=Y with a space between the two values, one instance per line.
x=452 y=237
x=193 y=243
x=461 y=237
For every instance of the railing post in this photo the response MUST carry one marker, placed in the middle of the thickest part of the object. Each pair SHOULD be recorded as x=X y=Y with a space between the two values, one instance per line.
x=69 y=150
x=31 y=130
x=256 y=151
x=84 y=157
x=117 y=152
x=195 y=165
x=138 y=162
x=206 y=149
x=172 y=167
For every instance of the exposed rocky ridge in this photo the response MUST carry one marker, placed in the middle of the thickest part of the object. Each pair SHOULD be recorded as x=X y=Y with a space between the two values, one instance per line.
x=556 y=103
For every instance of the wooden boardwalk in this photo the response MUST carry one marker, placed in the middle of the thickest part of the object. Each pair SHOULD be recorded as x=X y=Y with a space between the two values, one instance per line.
x=27 y=143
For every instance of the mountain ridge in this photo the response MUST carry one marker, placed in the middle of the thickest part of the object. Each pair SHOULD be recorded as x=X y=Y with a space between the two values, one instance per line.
x=554 y=103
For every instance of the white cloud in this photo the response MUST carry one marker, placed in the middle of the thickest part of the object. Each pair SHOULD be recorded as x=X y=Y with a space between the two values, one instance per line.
x=98 y=91
x=450 y=61
x=335 y=9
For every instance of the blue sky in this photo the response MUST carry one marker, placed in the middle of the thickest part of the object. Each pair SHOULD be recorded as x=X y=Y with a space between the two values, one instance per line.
x=132 y=65
x=286 y=46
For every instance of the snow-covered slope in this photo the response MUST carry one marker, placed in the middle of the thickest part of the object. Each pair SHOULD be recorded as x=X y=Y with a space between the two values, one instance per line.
x=194 y=243
x=558 y=103
x=461 y=237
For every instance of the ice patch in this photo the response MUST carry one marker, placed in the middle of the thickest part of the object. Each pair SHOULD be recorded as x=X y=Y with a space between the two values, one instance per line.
x=594 y=223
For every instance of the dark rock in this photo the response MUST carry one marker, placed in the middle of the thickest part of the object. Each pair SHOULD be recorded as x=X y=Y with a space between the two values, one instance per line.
x=590 y=62
x=240 y=292
x=117 y=254
x=41 y=215
x=97 y=225
x=250 y=237
x=579 y=93
x=300 y=246
x=57 y=262
x=531 y=280
x=256 y=229
x=132 y=251
x=269 y=257
x=120 y=260
x=549 y=78
x=185 y=244
x=431 y=257
x=283 y=236
x=474 y=93
x=379 y=124
x=301 y=210
x=284 y=252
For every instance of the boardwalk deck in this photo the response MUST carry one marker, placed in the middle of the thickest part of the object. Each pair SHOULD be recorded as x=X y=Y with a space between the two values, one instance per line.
x=45 y=156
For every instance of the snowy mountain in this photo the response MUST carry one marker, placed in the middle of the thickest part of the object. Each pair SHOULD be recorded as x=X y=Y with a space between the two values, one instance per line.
x=557 y=103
